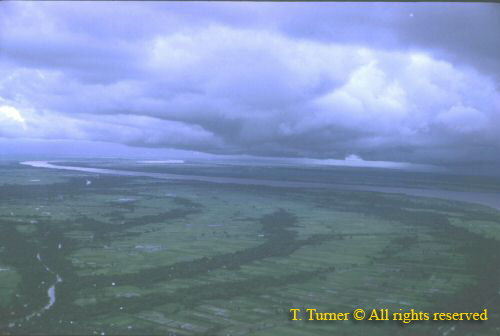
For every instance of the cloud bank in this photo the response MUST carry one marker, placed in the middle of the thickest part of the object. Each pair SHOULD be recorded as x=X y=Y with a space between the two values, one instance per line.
x=412 y=83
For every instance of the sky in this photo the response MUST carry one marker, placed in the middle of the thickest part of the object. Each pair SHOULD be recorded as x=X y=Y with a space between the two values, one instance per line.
x=413 y=83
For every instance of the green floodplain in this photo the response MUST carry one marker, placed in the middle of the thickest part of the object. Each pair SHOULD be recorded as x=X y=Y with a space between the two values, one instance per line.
x=89 y=253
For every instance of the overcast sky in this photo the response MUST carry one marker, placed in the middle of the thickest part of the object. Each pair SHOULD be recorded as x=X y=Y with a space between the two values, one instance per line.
x=411 y=82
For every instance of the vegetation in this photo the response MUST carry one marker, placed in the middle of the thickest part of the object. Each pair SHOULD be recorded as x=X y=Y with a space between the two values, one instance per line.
x=144 y=256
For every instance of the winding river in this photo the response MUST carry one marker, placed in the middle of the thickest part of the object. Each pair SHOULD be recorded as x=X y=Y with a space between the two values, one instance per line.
x=489 y=199
x=51 y=292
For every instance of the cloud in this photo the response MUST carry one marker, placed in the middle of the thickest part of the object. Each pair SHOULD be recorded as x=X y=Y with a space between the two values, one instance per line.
x=324 y=81
x=9 y=114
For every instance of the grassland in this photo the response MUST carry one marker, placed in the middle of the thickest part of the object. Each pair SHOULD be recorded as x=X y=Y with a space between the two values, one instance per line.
x=145 y=256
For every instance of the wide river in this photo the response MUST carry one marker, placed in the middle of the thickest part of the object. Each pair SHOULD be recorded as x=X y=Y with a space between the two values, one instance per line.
x=490 y=199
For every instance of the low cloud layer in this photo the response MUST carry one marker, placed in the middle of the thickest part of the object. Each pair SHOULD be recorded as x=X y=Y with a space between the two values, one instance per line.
x=400 y=82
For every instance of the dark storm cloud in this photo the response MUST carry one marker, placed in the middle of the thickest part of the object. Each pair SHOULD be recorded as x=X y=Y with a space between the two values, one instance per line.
x=466 y=33
x=394 y=82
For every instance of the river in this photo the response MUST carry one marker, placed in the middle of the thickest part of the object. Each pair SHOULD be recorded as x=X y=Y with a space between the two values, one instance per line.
x=489 y=199
x=51 y=292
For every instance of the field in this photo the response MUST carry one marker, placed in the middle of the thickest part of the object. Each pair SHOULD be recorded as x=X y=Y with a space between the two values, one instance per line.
x=138 y=255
